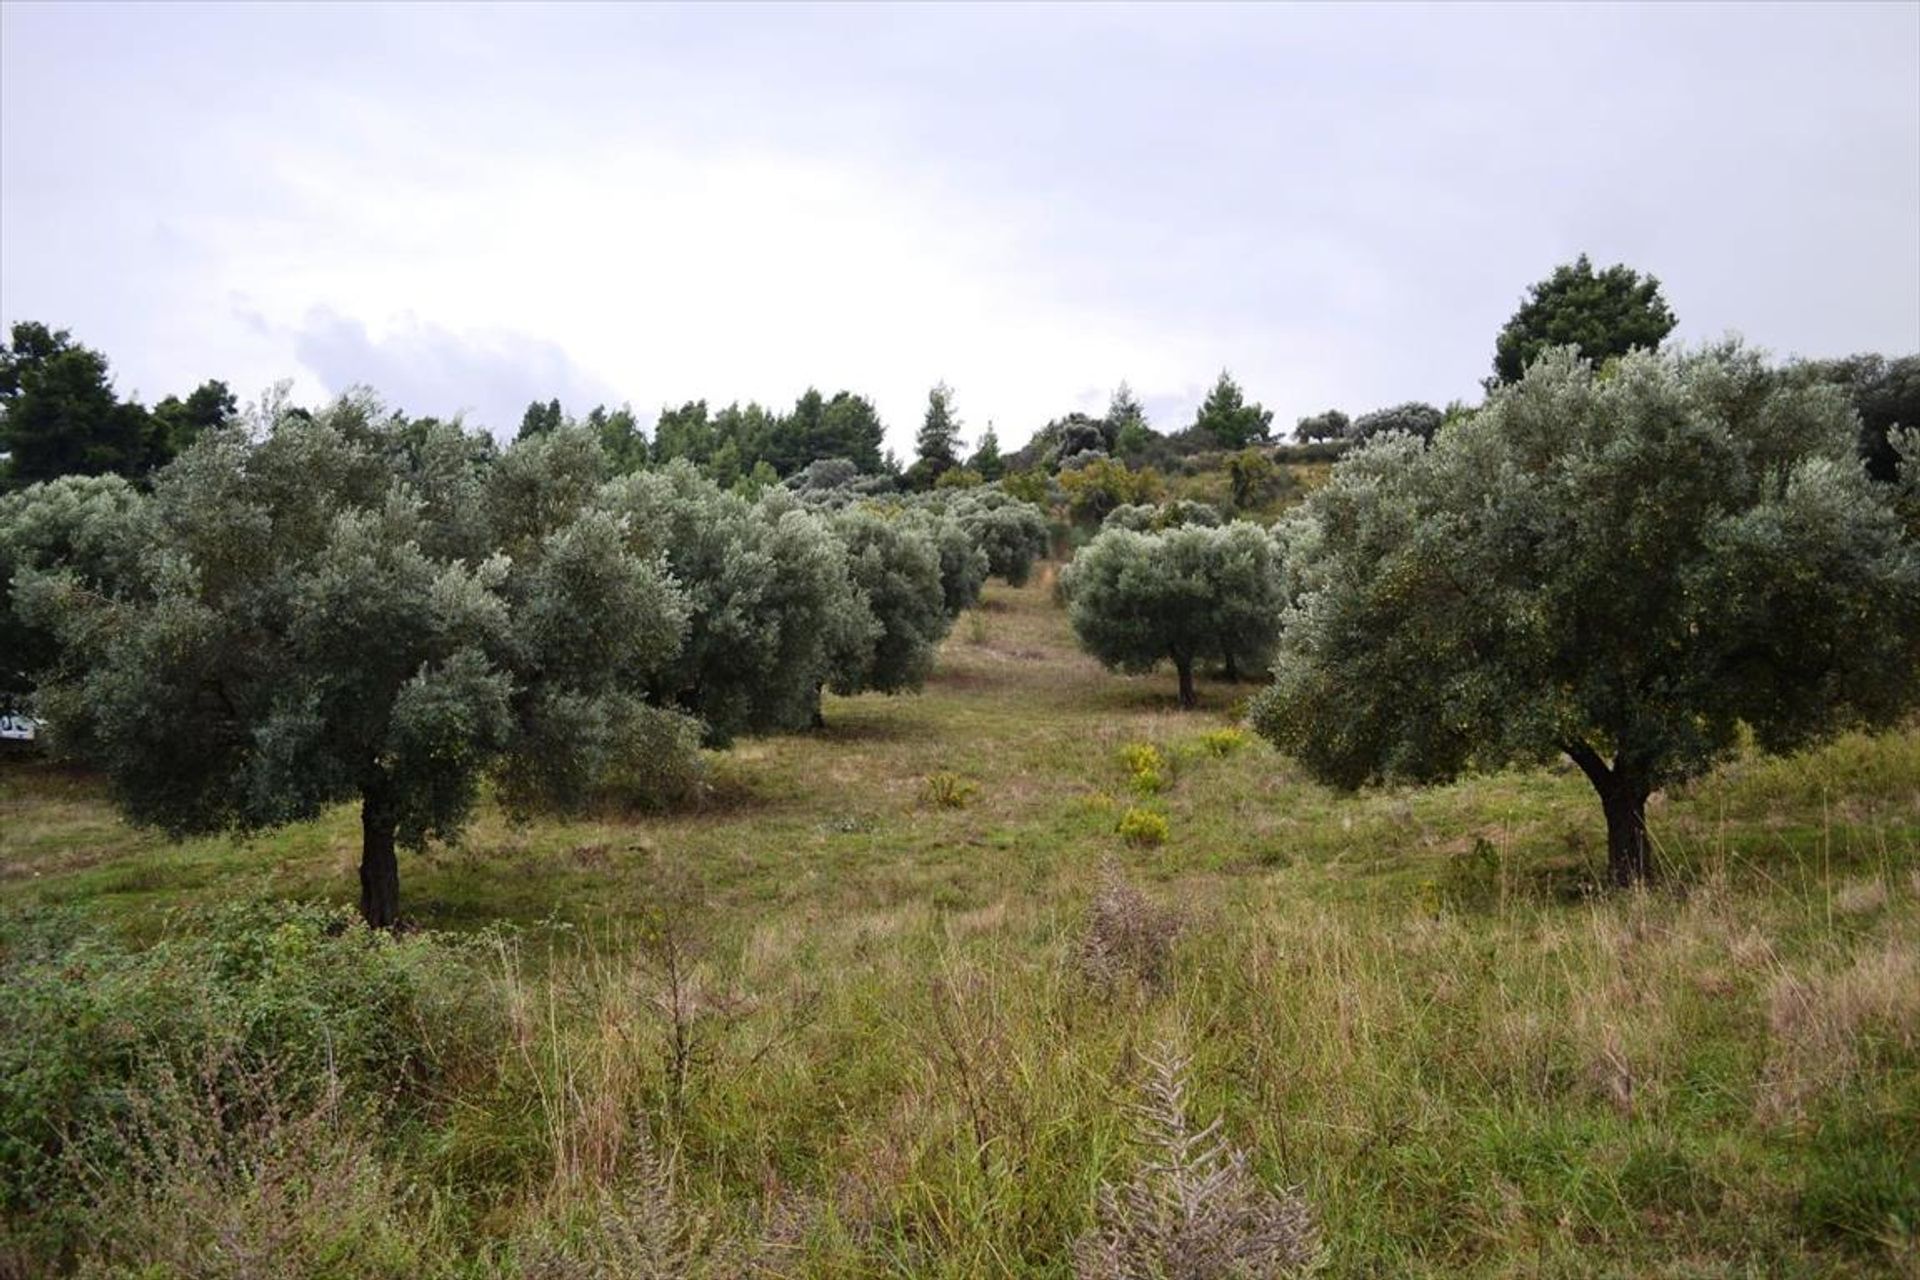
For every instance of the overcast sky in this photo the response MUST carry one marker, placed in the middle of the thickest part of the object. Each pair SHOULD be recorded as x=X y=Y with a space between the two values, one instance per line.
x=471 y=207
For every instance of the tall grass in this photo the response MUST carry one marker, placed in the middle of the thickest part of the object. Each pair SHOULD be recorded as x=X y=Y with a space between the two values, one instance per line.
x=830 y=1025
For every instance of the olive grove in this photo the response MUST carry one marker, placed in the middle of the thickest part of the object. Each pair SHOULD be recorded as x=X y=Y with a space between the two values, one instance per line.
x=314 y=607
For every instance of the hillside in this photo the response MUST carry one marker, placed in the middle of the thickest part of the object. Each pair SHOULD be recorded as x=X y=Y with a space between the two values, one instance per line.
x=848 y=1015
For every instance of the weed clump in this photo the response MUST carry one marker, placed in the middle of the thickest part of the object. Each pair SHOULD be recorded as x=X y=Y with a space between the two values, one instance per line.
x=948 y=791
x=1222 y=743
x=641 y=1226
x=1128 y=936
x=1193 y=1209
x=1143 y=827
x=1146 y=767
x=223 y=1175
x=267 y=1009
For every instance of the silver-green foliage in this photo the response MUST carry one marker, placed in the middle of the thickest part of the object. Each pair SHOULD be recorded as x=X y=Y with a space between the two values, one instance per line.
x=1146 y=517
x=1624 y=566
x=1184 y=595
x=768 y=595
x=304 y=627
x=88 y=526
x=1012 y=532
x=963 y=563
x=895 y=566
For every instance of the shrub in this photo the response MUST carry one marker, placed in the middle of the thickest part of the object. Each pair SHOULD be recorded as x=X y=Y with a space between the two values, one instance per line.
x=1101 y=484
x=1143 y=827
x=1146 y=766
x=301 y=996
x=1223 y=742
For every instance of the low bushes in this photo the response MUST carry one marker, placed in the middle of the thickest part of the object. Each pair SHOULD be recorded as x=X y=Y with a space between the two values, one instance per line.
x=260 y=1011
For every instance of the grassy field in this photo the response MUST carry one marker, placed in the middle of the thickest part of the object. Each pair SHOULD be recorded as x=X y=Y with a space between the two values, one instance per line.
x=886 y=1002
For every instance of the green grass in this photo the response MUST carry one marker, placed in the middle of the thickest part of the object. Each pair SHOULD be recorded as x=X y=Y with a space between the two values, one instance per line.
x=1413 y=1005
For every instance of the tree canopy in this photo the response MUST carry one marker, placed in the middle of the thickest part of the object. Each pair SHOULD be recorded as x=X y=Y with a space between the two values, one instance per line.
x=939 y=439
x=767 y=592
x=895 y=565
x=1011 y=533
x=986 y=457
x=1331 y=425
x=1414 y=417
x=1885 y=393
x=313 y=618
x=1188 y=594
x=1226 y=416
x=1624 y=568
x=1602 y=314
x=87 y=527
x=59 y=415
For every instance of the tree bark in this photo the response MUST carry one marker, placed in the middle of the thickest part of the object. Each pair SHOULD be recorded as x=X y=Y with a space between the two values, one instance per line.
x=1623 y=795
x=379 y=867
x=1185 y=667
x=1232 y=671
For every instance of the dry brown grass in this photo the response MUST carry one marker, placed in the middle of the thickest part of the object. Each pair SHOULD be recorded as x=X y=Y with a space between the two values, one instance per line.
x=1860 y=897
x=1823 y=1025
x=1128 y=937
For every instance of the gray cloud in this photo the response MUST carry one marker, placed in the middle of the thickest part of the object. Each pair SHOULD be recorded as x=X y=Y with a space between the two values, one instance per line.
x=1341 y=203
x=423 y=369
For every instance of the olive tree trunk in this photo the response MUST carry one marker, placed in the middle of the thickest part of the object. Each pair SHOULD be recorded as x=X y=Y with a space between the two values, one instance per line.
x=379 y=867
x=1185 y=667
x=1623 y=795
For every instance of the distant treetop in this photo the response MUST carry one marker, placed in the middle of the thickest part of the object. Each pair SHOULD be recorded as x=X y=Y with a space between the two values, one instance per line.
x=1604 y=314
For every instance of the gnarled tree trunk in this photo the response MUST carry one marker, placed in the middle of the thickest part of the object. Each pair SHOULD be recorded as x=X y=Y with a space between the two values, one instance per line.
x=379 y=867
x=1185 y=667
x=1623 y=798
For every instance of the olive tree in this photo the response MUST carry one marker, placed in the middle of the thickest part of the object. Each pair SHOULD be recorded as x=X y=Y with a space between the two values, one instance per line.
x=895 y=567
x=1011 y=531
x=1183 y=596
x=1622 y=566
x=298 y=632
x=1245 y=596
x=86 y=526
x=1414 y=417
x=963 y=563
x=767 y=591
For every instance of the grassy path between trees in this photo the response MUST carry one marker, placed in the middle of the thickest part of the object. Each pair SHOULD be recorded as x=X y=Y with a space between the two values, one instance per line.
x=841 y=1019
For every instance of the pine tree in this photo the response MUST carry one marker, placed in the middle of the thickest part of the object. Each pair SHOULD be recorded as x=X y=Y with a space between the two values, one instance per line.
x=939 y=440
x=986 y=459
x=1229 y=419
